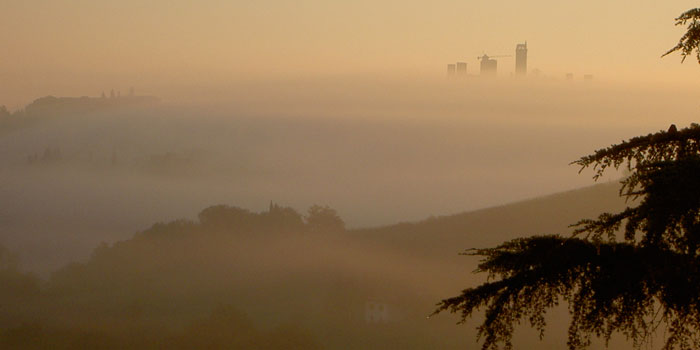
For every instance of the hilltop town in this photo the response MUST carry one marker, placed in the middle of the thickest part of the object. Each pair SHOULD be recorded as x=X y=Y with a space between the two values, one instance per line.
x=51 y=106
x=60 y=105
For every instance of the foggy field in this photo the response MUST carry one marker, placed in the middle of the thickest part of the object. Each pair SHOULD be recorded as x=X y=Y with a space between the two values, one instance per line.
x=83 y=193
x=378 y=152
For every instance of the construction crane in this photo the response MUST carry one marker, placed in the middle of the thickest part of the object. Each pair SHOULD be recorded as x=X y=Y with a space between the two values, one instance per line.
x=487 y=57
x=489 y=65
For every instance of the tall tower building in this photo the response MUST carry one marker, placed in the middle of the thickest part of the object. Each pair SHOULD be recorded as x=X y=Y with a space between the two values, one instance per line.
x=450 y=70
x=521 y=59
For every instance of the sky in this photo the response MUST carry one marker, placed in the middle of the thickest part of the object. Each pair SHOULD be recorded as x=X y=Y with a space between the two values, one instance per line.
x=80 y=47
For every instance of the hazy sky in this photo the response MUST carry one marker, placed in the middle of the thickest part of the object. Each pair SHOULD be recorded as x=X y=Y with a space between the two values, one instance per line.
x=76 y=47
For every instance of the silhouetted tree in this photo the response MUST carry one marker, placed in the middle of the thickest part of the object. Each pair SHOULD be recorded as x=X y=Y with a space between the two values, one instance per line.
x=631 y=284
x=324 y=218
x=281 y=218
x=15 y=285
x=233 y=219
x=651 y=277
x=224 y=217
x=690 y=41
x=4 y=113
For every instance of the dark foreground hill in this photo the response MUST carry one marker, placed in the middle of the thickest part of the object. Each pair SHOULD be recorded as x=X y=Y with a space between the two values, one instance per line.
x=276 y=280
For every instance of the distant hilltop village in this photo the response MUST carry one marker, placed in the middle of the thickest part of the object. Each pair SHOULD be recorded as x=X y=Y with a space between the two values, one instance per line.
x=488 y=66
x=59 y=105
x=51 y=105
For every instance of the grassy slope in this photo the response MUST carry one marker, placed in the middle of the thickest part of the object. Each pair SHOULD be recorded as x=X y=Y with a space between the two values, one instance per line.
x=319 y=282
x=487 y=227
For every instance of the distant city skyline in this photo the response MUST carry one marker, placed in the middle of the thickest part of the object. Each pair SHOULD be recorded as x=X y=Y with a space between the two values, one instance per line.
x=65 y=47
x=488 y=67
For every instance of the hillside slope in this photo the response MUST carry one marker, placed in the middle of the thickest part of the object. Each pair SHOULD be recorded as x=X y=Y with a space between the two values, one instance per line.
x=450 y=234
x=274 y=268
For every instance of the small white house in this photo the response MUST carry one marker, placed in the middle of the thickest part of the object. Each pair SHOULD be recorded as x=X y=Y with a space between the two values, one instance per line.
x=376 y=312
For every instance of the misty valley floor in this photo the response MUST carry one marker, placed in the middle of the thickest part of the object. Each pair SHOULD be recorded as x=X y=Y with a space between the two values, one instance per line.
x=150 y=226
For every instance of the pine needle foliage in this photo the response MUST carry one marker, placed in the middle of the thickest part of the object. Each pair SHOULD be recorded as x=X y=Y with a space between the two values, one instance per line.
x=636 y=272
x=690 y=41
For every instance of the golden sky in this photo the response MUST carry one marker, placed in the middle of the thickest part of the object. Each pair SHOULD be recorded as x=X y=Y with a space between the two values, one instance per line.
x=67 y=47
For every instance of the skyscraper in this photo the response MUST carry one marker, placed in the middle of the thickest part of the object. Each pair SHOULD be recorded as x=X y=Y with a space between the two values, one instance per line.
x=450 y=70
x=521 y=59
x=461 y=68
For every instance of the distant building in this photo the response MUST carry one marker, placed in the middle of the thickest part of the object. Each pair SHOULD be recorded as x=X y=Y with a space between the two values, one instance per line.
x=451 y=70
x=521 y=59
x=488 y=66
x=461 y=69
x=55 y=106
x=569 y=76
x=376 y=312
x=588 y=77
